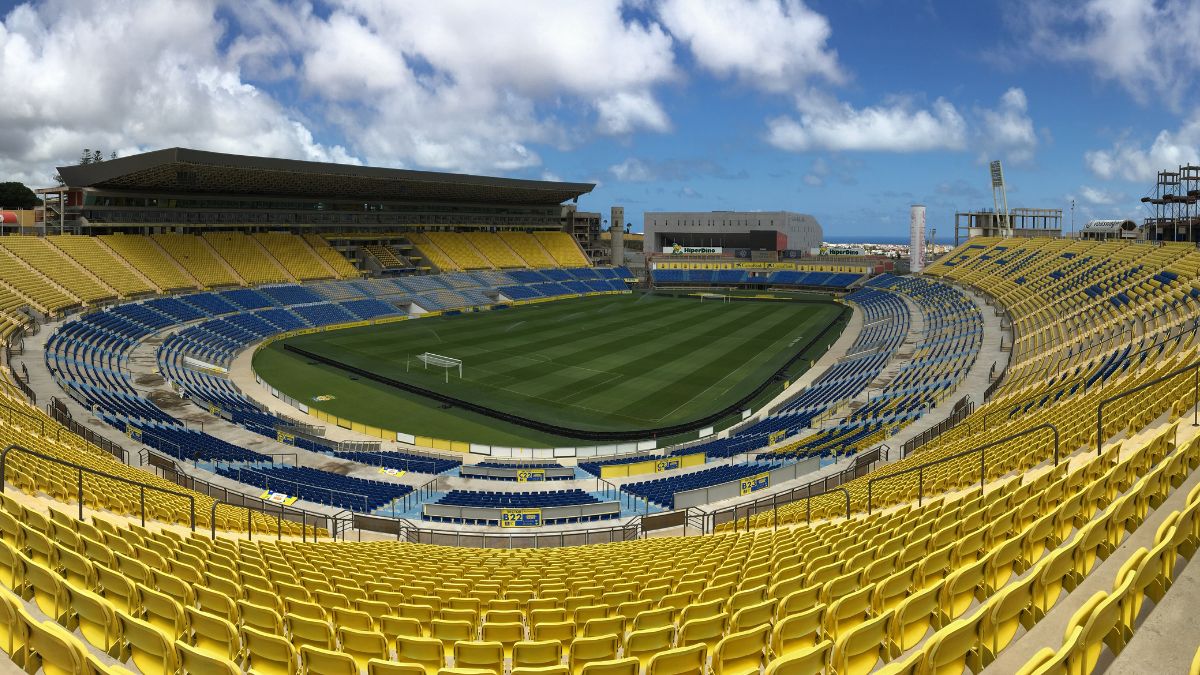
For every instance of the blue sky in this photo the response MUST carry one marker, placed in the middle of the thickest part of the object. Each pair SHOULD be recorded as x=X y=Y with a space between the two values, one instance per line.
x=848 y=110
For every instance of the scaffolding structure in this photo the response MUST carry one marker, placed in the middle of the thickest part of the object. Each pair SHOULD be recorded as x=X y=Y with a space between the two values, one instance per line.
x=1174 y=209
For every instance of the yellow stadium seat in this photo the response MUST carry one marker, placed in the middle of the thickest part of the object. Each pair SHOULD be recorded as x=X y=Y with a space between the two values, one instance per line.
x=644 y=644
x=742 y=652
x=507 y=634
x=544 y=670
x=363 y=645
x=654 y=618
x=955 y=647
x=327 y=662
x=97 y=667
x=152 y=650
x=381 y=667
x=691 y=660
x=260 y=618
x=588 y=649
x=861 y=648
x=1099 y=618
x=426 y=652
x=564 y=632
x=162 y=611
x=915 y=615
x=810 y=660
x=534 y=654
x=193 y=661
x=55 y=650
x=269 y=654
x=626 y=666
x=486 y=656
x=612 y=625
x=707 y=631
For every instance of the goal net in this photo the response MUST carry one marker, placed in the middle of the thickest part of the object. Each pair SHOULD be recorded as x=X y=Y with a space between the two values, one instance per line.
x=446 y=363
x=713 y=297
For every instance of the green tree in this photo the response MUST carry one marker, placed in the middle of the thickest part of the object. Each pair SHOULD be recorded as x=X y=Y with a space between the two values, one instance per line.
x=15 y=195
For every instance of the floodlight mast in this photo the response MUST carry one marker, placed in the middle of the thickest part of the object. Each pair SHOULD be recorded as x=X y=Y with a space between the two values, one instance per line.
x=1000 y=199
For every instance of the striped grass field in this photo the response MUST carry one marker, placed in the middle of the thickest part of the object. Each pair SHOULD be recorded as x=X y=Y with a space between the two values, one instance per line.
x=606 y=363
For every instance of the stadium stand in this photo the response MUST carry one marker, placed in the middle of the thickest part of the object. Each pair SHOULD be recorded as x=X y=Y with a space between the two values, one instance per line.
x=91 y=254
x=247 y=257
x=460 y=250
x=662 y=491
x=39 y=255
x=538 y=501
x=497 y=252
x=562 y=247
x=528 y=248
x=143 y=254
x=401 y=461
x=386 y=257
x=940 y=571
x=434 y=255
x=517 y=500
x=322 y=487
x=295 y=255
x=198 y=259
x=342 y=267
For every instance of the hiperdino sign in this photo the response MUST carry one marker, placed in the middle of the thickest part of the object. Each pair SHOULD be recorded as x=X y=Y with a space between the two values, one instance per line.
x=692 y=250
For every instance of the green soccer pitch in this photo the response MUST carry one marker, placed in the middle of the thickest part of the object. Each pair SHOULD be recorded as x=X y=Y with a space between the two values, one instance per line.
x=599 y=364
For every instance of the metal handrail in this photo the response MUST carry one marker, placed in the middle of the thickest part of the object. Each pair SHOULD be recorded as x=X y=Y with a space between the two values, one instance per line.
x=40 y=420
x=861 y=459
x=1194 y=367
x=982 y=450
x=84 y=469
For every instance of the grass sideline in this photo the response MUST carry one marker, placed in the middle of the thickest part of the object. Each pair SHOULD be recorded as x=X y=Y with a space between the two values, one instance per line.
x=603 y=363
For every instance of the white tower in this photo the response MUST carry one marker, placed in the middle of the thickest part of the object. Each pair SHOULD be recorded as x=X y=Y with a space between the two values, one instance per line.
x=617 y=235
x=916 y=238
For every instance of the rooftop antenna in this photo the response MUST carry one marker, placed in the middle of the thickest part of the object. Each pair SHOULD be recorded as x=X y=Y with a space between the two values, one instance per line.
x=1000 y=199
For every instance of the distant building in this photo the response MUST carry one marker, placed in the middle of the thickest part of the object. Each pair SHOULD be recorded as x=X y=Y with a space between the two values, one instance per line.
x=1111 y=229
x=750 y=234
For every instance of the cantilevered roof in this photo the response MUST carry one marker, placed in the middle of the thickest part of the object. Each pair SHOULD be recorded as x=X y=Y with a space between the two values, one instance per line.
x=180 y=170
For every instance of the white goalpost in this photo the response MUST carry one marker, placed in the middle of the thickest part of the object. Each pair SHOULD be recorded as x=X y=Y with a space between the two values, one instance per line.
x=446 y=363
x=716 y=297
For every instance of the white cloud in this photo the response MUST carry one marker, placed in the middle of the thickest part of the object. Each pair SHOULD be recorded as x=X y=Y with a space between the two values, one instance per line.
x=898 y=125
x=79 y=87
x=462 y=85
x=455 y=85
x=1129 y=160
x=1007 y=131
x=774 y=45
x=633 y=170
x=625 y=112
x=1098 y=196
x=1147 y=47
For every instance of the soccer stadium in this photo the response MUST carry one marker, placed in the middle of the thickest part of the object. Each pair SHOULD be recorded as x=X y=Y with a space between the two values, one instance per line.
x=368 y=410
